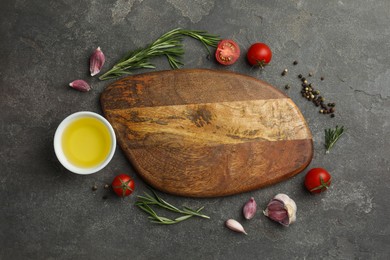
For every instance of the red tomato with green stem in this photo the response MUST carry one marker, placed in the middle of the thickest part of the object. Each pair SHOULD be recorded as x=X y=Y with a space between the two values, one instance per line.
x=123 y=185
x=259 y=54
x=227 y=52
x=317 y=180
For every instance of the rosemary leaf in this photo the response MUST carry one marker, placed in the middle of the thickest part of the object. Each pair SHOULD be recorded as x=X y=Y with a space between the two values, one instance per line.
x=332 y=136
x=183 y=218
x=145 y=202
x=168 y=45
x=195 y=213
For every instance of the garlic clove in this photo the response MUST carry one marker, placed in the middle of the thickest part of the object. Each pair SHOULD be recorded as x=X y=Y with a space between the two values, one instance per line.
x=235 y=226
x=80 y=85
x=96 y=61
x=249 y=209
x=281 y=209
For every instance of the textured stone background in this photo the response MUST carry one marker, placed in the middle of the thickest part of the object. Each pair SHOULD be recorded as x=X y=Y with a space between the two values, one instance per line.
x=49 y=213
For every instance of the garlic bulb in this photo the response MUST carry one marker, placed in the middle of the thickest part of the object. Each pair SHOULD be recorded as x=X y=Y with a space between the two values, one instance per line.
x=281 y=209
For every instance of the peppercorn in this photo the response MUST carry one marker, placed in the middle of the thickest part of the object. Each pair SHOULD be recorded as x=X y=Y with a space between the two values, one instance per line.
x=300 y=76
x=332 y=115
x=106 y=186
x=287 y=86
x=310 y=74
x=284 y=72
x=94 y=187
x=303 y=79
x=321 y=111
x=331 y=110
x=322 y=78
x=295 y=62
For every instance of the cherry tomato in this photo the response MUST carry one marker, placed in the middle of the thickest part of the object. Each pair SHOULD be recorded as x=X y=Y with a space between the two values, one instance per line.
x=227 y=52
x=123 y=185
x=259 y=54
x=317 y=180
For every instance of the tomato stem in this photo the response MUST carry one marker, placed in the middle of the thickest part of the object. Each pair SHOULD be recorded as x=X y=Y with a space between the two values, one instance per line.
x=124 y=186
x=261 y=64
x=324 y=185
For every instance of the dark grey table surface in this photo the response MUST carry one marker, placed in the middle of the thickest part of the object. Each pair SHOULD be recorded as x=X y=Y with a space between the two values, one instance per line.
x=49 y=213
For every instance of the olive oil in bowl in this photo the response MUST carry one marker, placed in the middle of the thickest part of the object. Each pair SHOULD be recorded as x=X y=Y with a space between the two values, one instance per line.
x=84 y=142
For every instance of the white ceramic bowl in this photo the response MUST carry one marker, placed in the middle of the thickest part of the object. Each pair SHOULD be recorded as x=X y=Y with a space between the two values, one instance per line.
x=58 y=143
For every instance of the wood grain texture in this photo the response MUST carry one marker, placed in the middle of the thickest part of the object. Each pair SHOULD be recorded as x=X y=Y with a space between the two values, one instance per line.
x=205 y=133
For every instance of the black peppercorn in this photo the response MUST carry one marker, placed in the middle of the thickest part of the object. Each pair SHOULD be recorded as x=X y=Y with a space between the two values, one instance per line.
x=332 y=115
x=295 y=62
x=310 y=74
x=287 y=86
x=284 y=72
x=300 y=76
x=94 y=187
x=322 y=78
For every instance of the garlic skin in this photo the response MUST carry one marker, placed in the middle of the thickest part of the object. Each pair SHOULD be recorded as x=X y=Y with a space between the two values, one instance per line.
x=282 y=209
x=96 y=61
x=249 y=209
x=235 y=226
x=80 y=85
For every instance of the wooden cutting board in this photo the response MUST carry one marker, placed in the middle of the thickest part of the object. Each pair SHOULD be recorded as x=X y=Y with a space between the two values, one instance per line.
x=205 y=133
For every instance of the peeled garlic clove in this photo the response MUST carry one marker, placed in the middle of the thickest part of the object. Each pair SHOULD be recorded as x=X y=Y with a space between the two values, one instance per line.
x=235 y=226
x=80 y=85
x=249 y=209
x=96 y=61
x=281 y=209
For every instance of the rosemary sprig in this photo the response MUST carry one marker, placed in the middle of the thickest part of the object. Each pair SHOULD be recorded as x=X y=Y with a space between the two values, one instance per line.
x=331 y=137
x=145 y=203
x=168 y=45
